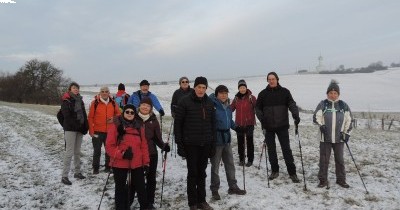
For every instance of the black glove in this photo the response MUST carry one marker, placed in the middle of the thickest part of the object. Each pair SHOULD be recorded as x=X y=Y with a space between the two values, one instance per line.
x=323 y=130
x=212 y=151
x=166 y=148
x=162 y=113
x=145 y=170
x=128 y=155
x=297 y=121
x=345 y=137
x=181 y=150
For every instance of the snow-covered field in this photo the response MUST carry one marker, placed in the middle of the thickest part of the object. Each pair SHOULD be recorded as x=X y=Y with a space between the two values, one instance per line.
x=32 y=146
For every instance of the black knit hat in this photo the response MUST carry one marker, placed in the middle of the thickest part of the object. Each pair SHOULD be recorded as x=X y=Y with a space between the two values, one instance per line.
x=333 y=86
x=121 y=86
x=273 y=73
x=242 y=83
x=221 y=89
x=144 y=82
x=200 y=80
x=146 y=100
x=129 y=106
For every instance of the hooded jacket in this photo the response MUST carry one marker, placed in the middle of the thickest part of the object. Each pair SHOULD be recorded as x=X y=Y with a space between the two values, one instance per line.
x=99 y=115
x=245 y=108
x=224 y=122
x=71 y=123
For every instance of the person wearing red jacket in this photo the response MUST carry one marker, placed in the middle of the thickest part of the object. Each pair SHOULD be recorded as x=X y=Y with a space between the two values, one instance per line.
x=244 y=103
x=129 y=155
x=102 y=110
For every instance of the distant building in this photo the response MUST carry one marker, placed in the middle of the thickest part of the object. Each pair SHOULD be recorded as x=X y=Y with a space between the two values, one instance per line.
x=320 y=66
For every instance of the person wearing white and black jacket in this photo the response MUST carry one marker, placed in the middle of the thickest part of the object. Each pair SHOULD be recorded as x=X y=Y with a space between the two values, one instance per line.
x=333 y=116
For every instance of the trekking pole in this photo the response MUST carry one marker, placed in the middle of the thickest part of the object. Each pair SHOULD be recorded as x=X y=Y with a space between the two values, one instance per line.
x=357 y=168
x=266 y=162
x=262 y=151
x=301 y=156
x=244 y=154
x=104 y=190
x=164 y=163
x=129 y=183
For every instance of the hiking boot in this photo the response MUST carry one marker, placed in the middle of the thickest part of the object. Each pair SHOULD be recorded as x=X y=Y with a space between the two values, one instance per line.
x=193 y=207
x=322 y=184
x=342 y=183
x=248 y=164
x=294 y=178
x=241 y=163
x=204 y=205
x=215 y=195
x=95 y=171
x=236 y=191
x=273 y=176
x=66 y=181
x=79 y=176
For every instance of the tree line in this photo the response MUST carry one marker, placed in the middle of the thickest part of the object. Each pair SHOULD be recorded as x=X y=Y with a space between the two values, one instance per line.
x=37 y=82
x=377 y=66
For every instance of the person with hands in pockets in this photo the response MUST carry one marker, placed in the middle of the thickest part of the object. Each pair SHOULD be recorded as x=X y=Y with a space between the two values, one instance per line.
x=333 y=116
x=128 y=151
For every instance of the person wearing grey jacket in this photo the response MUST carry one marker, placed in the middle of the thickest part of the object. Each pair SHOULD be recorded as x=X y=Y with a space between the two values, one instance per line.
x=333 y=116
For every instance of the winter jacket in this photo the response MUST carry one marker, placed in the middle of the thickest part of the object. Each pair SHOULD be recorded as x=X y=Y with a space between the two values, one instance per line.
x=135 y=138
x=153 y=133
x=194 y=122
x=71 y=122
x=336 y=116
x=272 y=108
x=178 y=94
x=98 y=118
x=245 y=108
x=137 y=96
x=224 y=122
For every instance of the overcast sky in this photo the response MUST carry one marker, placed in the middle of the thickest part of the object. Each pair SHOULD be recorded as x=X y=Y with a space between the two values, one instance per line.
x=95 y=41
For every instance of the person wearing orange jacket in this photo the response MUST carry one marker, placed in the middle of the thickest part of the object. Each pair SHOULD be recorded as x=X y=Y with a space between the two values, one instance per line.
x=102 y=110
x=128 y=149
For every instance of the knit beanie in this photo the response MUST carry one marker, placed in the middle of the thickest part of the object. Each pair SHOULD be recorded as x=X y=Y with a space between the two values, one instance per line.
x=200 y=80
x=144 y=82
x=221 y=89
x=182 y=78
x=242 y=83
x=146 y=100
x=273 y=73
x=121 y=86
x=333 y=86
x=129 y=106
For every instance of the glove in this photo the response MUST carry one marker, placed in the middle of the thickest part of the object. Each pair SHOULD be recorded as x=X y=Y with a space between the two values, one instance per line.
x=166 y=148
x=297 y=121
x=181 y=150
x=345 y=137
x=212 y=151
x=162 y=113
x=145 y=170
x=323 y=130
x=128 y=155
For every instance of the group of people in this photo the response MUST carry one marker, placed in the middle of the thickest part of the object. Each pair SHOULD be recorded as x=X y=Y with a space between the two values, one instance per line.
x=130 y=132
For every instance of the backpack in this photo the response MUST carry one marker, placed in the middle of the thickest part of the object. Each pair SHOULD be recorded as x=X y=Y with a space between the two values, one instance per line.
x=96 y=103
x=122 y=100
x=60 y=117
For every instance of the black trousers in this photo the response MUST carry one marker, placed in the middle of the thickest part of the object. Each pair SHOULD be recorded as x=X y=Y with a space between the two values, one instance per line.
x=150 y=180
x=283 y=136
x=249 y=143
x=97 y=143
x=124 y=192
x=196 y=161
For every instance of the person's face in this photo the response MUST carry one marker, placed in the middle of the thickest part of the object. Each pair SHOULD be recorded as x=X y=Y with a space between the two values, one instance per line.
x=129 y=114
x=200 y=90
x=242 y=89
x=222 y=96
x=144 y=108
x=74 y=89
x=272 y=81
x=333 y=95
x=104 y=94
x=184 y=84
x=144 y=88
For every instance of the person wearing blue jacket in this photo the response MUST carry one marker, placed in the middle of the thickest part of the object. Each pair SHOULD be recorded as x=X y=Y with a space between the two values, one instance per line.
x=137 y=96
x=223 y=149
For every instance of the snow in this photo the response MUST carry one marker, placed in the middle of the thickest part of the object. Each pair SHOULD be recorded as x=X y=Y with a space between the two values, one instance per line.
x=31 y=151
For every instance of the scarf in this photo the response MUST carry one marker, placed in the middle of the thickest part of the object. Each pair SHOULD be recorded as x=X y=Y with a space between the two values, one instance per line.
x=144 y=117
x=78 y=109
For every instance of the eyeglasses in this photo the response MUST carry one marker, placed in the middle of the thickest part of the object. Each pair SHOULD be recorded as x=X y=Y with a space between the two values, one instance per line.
x=105 y=91
x=130 y=112
x=185 y=82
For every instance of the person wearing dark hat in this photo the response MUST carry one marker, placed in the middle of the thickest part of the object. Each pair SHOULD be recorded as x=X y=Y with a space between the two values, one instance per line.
x=223 y=149
x=184 y=89
x=154 y=139
x=333 y=116
x=272 y=108
x=144 y=92
x=244 y=104
x=194 y=128
x=127 y=148
x=121 y=98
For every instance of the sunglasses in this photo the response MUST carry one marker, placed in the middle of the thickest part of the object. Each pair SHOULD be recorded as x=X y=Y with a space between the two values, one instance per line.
x=185 y=82
x=104 y=91
x=130 y=112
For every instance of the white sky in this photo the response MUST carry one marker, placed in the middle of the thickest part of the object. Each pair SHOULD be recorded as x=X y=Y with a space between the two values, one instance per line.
x=127 y=41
